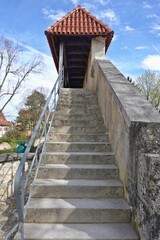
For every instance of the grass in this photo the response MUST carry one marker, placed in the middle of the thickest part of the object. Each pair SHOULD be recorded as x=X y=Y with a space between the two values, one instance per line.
x=8 y=150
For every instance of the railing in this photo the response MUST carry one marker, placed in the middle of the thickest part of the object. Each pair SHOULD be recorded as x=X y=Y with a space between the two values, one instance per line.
x=25 y=179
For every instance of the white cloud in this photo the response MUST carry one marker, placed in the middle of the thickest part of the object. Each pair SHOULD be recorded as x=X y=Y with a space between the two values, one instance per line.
x=102 y=2
x=109 y=14
x=141 y=47
x=53 y=14
x=151 y=62
x=125 y=48
x=146 y=5
x=153 y=16
x=129 y=29
x=114 y=37
x=89 y=6
x=156 y=29
x=75 y=2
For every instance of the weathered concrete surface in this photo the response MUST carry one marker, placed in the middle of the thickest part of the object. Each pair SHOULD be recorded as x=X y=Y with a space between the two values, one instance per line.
x=80 y=158
x=79 y=231
x=84 y=171
x=78 y=184
x=97 y=50
x=77 y=188
x=49 y=210
x=134 y=129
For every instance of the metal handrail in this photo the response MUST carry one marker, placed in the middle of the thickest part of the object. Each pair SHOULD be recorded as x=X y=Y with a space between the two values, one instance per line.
x=22 y=178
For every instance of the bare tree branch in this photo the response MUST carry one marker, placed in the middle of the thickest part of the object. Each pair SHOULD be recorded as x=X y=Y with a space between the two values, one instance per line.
x=13 y=72
x=149 y=85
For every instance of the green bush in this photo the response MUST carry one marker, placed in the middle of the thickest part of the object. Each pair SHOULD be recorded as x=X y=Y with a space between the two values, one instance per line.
x=13 y=137
x=8 y=150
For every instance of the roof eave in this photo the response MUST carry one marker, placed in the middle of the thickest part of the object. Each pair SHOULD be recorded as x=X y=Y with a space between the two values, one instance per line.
x=109 y=39
x=52 y=48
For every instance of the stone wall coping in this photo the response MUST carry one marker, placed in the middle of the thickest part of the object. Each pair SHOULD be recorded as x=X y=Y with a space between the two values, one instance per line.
x=12 y=157
x=132 y=103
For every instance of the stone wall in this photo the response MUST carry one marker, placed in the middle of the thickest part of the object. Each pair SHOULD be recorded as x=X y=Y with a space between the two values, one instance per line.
x=134 y=130
x=7 y=172
x=144 y=182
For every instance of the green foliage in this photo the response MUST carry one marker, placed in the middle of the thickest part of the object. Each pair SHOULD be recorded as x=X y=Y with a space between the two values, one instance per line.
x=11 y=141
x=8 y=150
x=26 y=121
x=29 y=115
x=13 y=137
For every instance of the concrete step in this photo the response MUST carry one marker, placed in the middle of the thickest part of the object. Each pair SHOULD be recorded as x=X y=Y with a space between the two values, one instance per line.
x=66 y=137
x=83 y=95
x=78 y=122
x=78 y=171
x=50 y=210
x=77 y=130
x=80 y=100
x=85 y=106
x=107 y=231
x=80 y=158
x=78 y=146
x=66 y=116
x=76 y=91
x=81 y=111
x=77 y=188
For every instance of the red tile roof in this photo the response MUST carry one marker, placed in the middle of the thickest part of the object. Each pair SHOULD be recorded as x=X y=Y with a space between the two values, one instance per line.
x=3 y=121
x=79 y=21
x=76 y=30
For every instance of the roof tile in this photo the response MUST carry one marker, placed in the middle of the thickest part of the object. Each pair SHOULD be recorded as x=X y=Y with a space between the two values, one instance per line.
x=3 y=120
x=79 y=21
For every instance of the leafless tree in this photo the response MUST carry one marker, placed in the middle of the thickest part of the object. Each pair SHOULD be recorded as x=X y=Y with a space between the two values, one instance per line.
x=149 y=84
x=13 y=71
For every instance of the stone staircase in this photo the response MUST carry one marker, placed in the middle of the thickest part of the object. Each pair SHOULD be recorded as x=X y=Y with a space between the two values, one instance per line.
x=77 y=194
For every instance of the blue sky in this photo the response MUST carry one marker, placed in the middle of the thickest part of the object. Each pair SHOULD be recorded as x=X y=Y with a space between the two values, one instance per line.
x=134 y=49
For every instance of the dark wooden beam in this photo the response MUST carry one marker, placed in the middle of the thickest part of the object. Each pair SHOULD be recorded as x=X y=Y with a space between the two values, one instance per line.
x=76 y=77
x=76 y=66
x=77 y=43
x=75 y=59
x=77 y=52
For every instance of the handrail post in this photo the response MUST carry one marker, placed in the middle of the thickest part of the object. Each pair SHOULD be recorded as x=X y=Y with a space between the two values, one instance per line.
x=23 y=194
x=45 y=135
x=21 y=227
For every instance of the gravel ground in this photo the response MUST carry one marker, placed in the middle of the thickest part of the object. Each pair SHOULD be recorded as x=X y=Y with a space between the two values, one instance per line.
x=8 y=217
